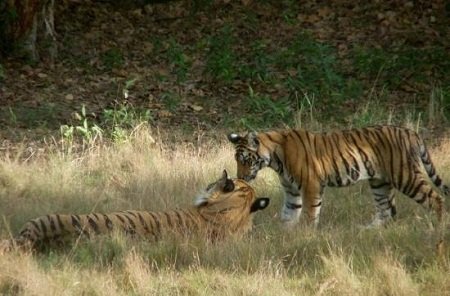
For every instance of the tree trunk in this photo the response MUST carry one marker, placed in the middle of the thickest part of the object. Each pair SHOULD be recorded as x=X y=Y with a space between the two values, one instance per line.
x=24 y=23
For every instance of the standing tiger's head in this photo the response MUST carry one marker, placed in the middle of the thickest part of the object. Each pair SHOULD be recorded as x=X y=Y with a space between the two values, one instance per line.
x=249 y=157
x=230 y=203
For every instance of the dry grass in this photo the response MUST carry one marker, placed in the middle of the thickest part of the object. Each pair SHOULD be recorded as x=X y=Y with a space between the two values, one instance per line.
x=340 y=258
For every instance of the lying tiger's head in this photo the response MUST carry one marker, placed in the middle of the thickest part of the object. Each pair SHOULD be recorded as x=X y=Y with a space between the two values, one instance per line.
x=230 y=202
x=248 y=155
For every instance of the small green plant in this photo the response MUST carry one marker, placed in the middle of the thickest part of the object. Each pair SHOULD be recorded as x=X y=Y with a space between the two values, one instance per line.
x=179 y=61
x=112 y=58
x=88 y=132
x=171 y=100
x=67 y=136
x=121 y=118
x=128 y=85
x=221 y=58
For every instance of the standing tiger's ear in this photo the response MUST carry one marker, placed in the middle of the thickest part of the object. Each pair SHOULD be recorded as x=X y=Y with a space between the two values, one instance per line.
x=234 y=138
x=259 y=204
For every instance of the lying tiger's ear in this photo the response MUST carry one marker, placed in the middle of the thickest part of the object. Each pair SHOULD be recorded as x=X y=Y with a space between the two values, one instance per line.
x=234 y=138
x=224 y=175
x=229 y=186
x=260 y=204
x=253 y=140
x=226 y=184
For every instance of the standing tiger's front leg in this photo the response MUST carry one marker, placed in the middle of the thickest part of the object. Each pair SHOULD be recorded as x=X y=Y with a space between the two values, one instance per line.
x=312 y=202
x=292 y=207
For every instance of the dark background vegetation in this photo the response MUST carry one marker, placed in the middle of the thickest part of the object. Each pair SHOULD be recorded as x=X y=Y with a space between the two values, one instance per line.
x=199 y=67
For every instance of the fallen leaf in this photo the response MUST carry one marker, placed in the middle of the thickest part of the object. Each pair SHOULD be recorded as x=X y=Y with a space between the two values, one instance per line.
x=196 y=107
x=164 y=113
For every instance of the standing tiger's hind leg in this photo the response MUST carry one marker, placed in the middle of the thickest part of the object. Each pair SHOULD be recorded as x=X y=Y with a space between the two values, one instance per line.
x=422 y=192
x=383 y=194
x=431 y=170
x=419 y=190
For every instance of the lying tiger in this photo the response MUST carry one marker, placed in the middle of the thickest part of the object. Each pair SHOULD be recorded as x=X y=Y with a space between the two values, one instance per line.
x=225 y=208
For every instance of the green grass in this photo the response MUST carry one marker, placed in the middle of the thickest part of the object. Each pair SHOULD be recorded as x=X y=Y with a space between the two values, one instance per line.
x=394 y=67
x=178 y=61
x=314 y=67
x=339 y=258
x=269 y=110
x=44 y=115
x=257 y=66
x=221 y=58
x=112 y=58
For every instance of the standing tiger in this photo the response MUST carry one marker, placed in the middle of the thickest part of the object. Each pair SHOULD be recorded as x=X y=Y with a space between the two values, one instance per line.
x=388 y=156
x=225 y=208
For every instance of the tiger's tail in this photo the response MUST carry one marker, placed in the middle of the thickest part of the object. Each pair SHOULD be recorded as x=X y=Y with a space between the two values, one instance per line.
x=431 y=170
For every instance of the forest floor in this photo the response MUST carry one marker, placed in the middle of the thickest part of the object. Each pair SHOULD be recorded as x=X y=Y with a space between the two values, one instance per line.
x=184 y=74
x=198 y=67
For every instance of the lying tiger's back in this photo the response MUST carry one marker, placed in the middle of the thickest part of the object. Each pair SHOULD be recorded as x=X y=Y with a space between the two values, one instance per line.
x=151 y=225
x=225 y=208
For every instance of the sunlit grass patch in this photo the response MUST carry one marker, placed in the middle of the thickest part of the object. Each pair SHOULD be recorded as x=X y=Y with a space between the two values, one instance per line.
x=340 y=257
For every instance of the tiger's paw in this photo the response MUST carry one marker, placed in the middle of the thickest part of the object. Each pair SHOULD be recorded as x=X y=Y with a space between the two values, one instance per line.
x=377 y=223
x=289 y=224
x=290 y=216
x=6 y=246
